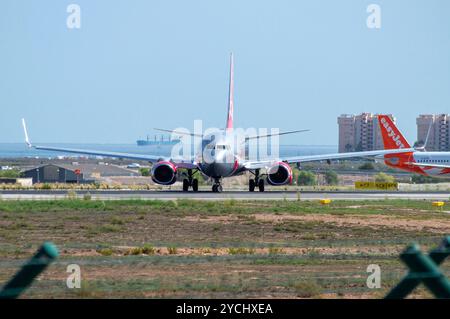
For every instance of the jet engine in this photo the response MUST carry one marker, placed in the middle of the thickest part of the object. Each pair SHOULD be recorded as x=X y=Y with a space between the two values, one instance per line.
x=164 y=173
x=279 y=174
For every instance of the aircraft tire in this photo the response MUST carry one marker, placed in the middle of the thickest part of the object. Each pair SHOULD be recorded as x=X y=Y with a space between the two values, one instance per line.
x=185 y=185
x=251 y=185
x=261 y=185
x=195 y=185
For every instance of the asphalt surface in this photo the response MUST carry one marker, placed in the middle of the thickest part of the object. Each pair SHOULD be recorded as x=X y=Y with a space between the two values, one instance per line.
x=208 y=195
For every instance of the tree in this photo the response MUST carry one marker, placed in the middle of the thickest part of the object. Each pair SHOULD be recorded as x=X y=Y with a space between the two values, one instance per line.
x=10 y=173
x=144 y=171
x=331 y=177
x=384 y=178
x=306 y=178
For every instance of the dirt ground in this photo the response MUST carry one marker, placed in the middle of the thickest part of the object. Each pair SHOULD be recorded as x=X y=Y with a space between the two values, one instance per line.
x=129 y=249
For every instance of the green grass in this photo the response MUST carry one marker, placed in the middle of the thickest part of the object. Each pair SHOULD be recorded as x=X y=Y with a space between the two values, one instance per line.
x=96 y=234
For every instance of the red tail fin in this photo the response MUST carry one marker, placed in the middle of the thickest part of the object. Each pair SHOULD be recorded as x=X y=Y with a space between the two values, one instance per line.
x=392 y=137
x=231 y=96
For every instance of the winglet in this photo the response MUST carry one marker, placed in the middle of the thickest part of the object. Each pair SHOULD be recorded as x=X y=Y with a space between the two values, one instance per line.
x=27 y=139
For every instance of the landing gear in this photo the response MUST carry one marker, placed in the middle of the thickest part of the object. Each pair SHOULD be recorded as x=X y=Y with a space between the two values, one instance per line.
x=185 y=185
x=258 y=181
x=195 y=185
x=251 y=185
x=217 y=187
x=261 y=185
x=190 y=181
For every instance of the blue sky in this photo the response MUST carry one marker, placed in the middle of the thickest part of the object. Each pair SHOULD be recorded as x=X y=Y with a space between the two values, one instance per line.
x=139 y=64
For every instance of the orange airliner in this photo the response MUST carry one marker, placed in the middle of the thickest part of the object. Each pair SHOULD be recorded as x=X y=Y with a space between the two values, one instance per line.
x=435 y=164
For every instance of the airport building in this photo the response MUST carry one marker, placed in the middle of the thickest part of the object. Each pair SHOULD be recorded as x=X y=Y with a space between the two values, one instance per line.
x=359 y=132
x=54 y=174
x=439 y=138
x=76 y=173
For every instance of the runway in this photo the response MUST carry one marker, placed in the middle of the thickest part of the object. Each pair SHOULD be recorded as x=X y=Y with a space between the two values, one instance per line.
x=207 y=195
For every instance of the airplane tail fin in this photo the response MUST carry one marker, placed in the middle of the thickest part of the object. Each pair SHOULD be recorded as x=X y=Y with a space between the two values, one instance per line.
x=392 y=137
x=231 y=96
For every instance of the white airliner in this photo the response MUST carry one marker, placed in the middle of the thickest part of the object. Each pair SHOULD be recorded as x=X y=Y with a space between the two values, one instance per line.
x=436 y=164
x=218 y=158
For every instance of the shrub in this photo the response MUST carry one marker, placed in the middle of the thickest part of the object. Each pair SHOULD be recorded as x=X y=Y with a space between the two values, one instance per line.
x=331 y=177
x=384 y=178
x=306 y=289
x=136 y=251
x=144 y=171
x=117 y=221
x=306 y=178
x=105 y=251
x=172 y=250
x=87 y=196
x=148 y=249
x=107 y=228
x=241 y=251
x=275 y=250
x=71 y=194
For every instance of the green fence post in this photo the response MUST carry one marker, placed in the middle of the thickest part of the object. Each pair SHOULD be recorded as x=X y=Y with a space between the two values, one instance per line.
x=409 y=283
x=25 y=276
x=425 y=269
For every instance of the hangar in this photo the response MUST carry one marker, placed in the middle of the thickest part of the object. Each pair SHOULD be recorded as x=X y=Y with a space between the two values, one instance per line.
x=76 y=172
x=51 y=173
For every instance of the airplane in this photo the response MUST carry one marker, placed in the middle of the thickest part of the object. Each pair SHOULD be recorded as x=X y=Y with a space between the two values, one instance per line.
x=436 y=164
x=217 y=159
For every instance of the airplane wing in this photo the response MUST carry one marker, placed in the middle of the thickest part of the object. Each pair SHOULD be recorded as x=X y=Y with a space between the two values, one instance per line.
x=324 y=157
x=183 y=163
x=276 y=134
x=428 y=165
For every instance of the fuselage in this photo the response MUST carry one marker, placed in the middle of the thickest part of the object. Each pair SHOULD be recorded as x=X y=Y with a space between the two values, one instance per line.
x=405 y=161
x=219 y=156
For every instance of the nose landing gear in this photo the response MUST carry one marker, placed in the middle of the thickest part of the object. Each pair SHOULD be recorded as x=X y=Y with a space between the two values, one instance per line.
x=258 y=181
x=217 y=187
x=190 y=181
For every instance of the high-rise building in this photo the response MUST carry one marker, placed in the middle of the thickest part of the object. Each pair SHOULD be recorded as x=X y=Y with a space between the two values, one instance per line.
x=439 y=138
x=359 y=132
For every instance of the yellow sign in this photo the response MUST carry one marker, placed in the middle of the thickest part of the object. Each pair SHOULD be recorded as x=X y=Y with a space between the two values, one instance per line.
x=376 y=186
x=325 y=201
x=438 y=204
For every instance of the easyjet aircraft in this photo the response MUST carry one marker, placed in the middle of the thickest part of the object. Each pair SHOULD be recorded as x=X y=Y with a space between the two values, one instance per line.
x=219 y=158
x=417 y=161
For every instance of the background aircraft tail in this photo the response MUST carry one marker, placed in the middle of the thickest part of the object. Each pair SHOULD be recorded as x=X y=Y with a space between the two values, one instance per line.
x=392 y=137
x=231 y=96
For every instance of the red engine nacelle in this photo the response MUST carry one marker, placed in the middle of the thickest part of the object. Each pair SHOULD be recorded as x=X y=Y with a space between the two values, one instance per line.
x=164 y=173
x=279 y=174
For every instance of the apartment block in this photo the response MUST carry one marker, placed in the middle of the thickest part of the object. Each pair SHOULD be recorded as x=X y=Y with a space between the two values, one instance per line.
x=359 y=132
x=439 y=138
